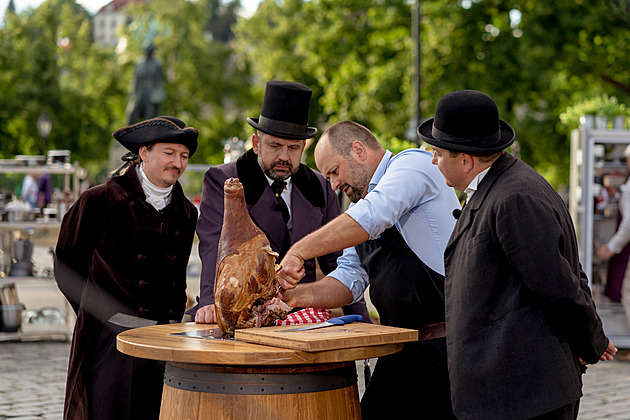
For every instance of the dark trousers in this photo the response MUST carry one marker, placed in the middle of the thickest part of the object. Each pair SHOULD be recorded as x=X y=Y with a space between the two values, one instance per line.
x=122 y=387
x=568 y=412
x=414 y=380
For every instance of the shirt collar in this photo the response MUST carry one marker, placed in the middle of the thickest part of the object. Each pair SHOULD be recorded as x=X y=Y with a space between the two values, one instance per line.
x=474 y=184
x=288 y=181
x=380 y=170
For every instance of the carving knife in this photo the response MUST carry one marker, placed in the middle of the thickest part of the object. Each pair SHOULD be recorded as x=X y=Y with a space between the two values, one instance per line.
x=341 y=320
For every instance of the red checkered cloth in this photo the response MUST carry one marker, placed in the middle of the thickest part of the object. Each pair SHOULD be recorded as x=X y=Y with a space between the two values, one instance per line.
x=305 y=316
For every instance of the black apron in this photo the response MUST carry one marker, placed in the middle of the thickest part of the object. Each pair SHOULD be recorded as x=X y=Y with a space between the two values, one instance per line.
x=407 y=294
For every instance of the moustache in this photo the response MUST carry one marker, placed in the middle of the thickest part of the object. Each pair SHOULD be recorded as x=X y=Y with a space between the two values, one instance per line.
x=283 y=163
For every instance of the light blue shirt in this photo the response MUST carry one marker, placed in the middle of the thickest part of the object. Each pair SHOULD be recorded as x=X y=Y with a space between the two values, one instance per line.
x=407 y=191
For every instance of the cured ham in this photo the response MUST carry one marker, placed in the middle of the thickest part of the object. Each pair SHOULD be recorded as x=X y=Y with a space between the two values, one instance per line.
x=246 y=288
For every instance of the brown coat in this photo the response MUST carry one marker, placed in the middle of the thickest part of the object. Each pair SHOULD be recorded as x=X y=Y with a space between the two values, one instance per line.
x=117 y=254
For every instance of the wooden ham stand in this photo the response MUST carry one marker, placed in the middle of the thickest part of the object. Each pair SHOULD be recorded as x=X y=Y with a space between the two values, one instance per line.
x=226 y=379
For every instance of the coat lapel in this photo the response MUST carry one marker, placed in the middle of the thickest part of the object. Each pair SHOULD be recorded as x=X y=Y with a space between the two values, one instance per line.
x=468 y=213
x=305 y=217
x=307 y=200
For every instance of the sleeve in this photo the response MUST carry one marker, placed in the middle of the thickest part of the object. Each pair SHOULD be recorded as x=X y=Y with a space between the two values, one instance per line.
x=209 y=227
x=79 y=235
x=621 y=238
x=384 y=205
x=561 y=289
x=328 y=262
x=351 y=273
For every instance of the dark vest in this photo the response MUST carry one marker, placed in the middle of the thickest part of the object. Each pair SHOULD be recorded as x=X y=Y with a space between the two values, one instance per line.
x=405 y=292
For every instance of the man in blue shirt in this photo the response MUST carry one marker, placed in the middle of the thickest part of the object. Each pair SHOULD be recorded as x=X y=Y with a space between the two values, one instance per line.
x=393 y=236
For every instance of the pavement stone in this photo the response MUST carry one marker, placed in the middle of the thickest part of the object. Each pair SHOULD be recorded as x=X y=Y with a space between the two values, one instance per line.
x=33 y=376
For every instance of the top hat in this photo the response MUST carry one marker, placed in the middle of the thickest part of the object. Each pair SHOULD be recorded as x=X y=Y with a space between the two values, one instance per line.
x=467 y=121
x=163 y=129
x=284 y=111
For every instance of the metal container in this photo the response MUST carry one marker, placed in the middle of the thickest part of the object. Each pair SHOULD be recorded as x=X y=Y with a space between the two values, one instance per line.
x=11 y=317
x=8 y=294
x=58 y=157
x=30 y=160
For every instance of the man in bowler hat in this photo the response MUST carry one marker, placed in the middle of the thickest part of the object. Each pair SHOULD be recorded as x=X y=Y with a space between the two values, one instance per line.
x=121 y=261
x=520 y=320
x=285 y=198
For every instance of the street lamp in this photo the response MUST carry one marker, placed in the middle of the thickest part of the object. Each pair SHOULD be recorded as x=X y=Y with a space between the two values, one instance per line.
x=44 y=125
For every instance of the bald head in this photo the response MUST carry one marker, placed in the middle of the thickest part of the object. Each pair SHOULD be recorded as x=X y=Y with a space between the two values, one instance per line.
x=341 y=135
x=348 y=154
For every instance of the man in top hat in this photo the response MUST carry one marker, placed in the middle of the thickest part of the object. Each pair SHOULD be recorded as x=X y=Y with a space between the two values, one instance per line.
x=393 y=238
x=285 y=198
x=121 y=261
x=520 y=319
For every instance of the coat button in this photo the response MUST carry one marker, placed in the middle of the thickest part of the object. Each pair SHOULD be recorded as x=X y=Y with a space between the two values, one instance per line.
x=141 y=309
x=171 y=312
x=142 y=283
x=139 y=256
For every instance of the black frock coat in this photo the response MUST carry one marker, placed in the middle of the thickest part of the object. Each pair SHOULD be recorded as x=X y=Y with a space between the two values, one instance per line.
x=117 y=254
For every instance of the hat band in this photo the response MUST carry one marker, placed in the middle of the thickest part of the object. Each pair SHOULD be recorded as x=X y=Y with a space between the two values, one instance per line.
x=281 y=126
x=486 y=140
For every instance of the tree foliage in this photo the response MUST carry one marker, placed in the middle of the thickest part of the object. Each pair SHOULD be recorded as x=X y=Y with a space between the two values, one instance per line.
x=355 y=55
x=535 y=58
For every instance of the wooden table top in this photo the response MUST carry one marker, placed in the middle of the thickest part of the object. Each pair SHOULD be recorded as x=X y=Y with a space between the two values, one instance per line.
x=155 y=342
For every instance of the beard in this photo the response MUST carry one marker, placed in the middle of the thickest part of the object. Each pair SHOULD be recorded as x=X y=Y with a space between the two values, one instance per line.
x=358 y=188
x=272 y=173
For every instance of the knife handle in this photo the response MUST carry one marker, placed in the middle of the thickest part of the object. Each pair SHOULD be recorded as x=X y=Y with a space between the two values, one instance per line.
x=346 y=319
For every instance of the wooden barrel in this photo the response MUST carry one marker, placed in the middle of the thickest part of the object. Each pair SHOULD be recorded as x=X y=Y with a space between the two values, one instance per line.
x=302 y=392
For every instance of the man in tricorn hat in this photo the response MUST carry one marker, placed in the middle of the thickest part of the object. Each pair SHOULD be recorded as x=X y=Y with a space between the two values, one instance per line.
x=121 y=260
x=285 y=198
x=520 y=319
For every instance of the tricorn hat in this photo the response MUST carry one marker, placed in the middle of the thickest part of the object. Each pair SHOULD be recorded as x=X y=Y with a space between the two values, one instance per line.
x=162 y=129
x=467 y=121
x=284 y=111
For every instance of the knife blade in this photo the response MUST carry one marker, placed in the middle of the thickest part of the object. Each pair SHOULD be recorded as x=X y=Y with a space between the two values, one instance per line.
x=341 y=320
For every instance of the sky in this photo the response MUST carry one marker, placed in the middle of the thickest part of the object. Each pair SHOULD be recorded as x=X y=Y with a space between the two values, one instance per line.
x=94 y=5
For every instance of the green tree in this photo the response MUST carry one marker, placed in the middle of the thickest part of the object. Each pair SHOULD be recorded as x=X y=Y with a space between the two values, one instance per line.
x=355 y=55
x=206 y=83
x=49 y=63
x=535 y=58
x=535 y=67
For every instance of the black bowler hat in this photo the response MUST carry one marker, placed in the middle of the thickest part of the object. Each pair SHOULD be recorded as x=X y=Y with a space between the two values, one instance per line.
x=162 y=129
x=284 y=111
x=467 y=121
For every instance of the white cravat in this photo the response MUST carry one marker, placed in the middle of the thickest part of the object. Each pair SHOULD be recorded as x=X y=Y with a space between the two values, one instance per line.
x=158 y=197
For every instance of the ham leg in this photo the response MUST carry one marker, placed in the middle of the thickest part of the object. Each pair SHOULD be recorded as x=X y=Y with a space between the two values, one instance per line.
x=246 y=288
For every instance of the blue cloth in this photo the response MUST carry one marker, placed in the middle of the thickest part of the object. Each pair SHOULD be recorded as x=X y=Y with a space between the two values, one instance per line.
x=407 y=191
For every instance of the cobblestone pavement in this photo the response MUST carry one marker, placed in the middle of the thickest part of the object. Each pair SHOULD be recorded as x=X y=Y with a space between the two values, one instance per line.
x=33 y=375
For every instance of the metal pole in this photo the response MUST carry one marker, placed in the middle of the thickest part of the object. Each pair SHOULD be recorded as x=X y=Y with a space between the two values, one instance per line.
x=415 y=30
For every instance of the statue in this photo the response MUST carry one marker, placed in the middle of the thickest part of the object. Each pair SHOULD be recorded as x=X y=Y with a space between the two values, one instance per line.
x=149 y=90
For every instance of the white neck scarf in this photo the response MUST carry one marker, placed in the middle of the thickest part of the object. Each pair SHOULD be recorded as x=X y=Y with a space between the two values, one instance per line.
x=158 y=197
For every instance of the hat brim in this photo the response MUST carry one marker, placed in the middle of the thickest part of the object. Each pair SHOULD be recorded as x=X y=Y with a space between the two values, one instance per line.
x=507 y=138
x=310 y=131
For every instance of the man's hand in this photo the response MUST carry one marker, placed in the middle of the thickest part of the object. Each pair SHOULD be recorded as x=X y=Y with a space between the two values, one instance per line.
x=206 y=315
x=609 y=353
x=290 y=296
x=292 y=271
x=327 y=292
